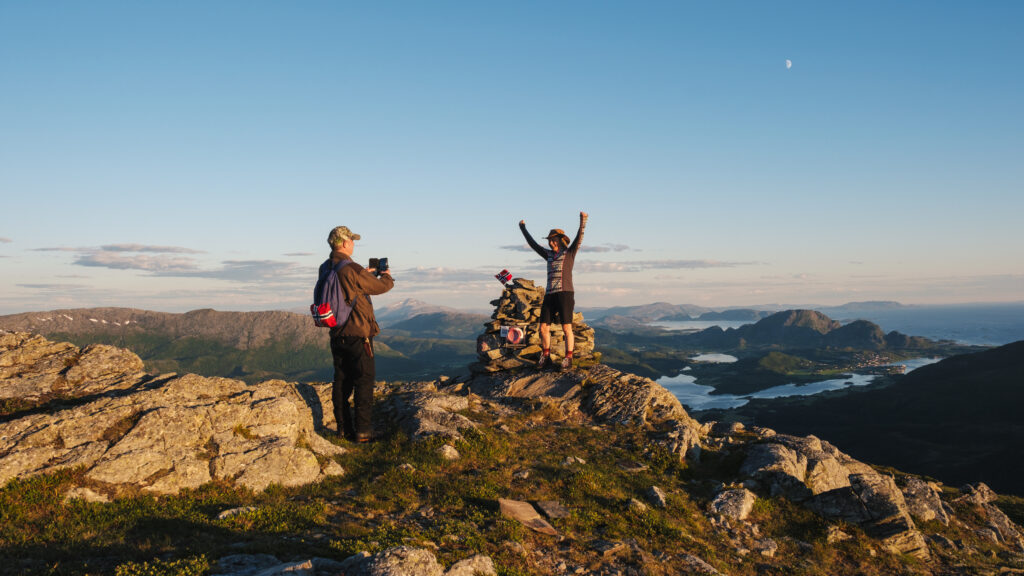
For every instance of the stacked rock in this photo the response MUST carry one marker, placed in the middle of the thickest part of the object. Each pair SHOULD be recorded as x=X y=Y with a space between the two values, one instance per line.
x=518 y=311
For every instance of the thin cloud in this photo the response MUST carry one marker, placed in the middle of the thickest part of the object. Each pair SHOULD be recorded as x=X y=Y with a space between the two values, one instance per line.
x=53 y=287
x=643 y=265
x=174 y=261
x=5 y=240
x=422 y=275
x=119 y=248
x=263 y=271
x=298 y=254
x=517 y=248
x=147 y=248
x=143 y=262
x=586 y=248
x=609 y=248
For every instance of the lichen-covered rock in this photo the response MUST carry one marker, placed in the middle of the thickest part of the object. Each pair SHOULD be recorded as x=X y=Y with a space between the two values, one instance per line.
x=160 y=434
x=779 y=469
x=923 y=501
x=409 y=561
x=32 y=368
x=527 y=515
x=1003 y=530
x=734 y=504
x=267 y=565
x=656 y=496
x=889 y=519
x=599 y=392
x=804 y=469
x=399 y=561
x=977 y=494
x=424 y=411
x=478 y=565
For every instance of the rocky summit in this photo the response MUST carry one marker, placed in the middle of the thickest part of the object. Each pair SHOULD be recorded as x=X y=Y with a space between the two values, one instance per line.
x=93 y=407
x=125 y=432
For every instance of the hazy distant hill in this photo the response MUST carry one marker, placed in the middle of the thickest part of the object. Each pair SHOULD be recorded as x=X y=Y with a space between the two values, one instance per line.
x=242 y=330
x=795 y=329
x=959 y=419
x=441 y=325
x=644 y=313
x=410 y=308
x=276 y=344
x=663 y=311
x=254 y=346
x=735 y=315
x=869 y=305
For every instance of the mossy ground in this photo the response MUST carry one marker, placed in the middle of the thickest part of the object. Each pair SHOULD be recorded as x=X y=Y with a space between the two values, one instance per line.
x=450 y=507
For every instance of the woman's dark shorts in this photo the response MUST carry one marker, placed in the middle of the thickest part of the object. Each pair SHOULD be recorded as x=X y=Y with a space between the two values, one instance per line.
x=558 y=305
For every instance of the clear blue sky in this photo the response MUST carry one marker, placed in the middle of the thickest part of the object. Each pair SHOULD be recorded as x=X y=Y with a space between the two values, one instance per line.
x=183 y=155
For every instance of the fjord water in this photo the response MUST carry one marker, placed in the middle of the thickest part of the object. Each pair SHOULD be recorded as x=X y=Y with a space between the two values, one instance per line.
x=976 y=324
x=696 y=396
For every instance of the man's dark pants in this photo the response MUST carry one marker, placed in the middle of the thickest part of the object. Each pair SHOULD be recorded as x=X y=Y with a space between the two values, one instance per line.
x=354 y=371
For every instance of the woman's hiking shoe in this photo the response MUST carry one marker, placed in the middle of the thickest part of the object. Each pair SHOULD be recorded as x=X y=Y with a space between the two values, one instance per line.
x=566 y=364
x=543 y=362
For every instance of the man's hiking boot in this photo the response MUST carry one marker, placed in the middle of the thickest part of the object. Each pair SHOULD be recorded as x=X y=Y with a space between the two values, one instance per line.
x=566 y=364
x=543 y=362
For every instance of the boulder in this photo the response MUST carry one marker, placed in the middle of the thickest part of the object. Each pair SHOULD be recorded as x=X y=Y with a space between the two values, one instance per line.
x=923 y=501
x=733 y=504
x=832 y=484
x=527 y=515
x=656 y=496
x=780 y=470
x=423 y=411
x=33 y=368
x=160 y=434
x=399 y=561
x=598 y=392
x=888 y=516
x=267 y=565
x=478 y=565
x=999 y=525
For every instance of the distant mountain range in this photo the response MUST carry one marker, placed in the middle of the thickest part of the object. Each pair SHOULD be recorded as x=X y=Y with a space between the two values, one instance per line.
x=255 y=346
x=805 y=329
x=410 y=308
x=419 y=340
x=241 y=330
x=645 y=313
x=623 y=317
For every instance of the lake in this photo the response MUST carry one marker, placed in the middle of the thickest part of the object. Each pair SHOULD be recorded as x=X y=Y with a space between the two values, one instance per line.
x=696 y=396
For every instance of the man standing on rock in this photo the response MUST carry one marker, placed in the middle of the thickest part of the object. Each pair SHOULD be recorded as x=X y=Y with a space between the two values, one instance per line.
x=559 y=297
x=352 y=342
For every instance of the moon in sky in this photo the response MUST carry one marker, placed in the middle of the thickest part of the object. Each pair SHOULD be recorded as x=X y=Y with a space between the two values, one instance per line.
x=789 y=63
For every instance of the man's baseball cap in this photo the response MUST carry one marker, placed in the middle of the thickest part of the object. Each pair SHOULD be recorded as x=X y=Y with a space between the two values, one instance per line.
x=340 y=234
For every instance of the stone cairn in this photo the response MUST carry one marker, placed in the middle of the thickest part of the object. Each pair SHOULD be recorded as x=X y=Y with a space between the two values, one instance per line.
x=519 y=307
